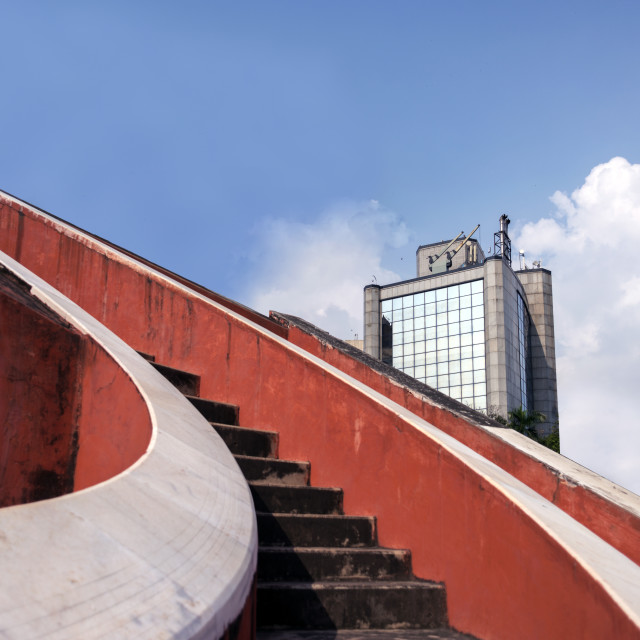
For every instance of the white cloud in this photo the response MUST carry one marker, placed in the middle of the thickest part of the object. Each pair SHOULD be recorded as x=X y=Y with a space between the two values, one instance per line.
x=318 y=270
x=592 y=247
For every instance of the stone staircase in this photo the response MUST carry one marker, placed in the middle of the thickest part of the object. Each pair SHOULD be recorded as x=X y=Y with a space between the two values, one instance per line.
x=321 y=574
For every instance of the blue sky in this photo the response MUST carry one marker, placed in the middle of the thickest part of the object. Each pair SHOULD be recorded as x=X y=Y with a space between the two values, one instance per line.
x=272 y=149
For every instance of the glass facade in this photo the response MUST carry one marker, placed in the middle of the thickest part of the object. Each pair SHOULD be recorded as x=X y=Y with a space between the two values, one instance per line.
x=438 y=337
x=523 y=352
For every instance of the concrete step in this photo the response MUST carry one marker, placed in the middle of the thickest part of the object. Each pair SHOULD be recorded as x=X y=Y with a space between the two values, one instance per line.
x=351 y=605
x=248 y=442
x=282 y=499
x=284 y=472
x=312 y=564
x=364 y=634
x=215 y=411
x=313 y=530
x=185 y=382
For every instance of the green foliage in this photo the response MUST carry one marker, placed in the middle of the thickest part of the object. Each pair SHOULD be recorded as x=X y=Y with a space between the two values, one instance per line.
x=525 y=422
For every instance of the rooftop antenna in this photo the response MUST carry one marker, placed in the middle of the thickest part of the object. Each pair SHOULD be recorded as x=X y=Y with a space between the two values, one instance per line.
x=501 y=241
x=523 y=264
x=461 y=245
x=432 y=261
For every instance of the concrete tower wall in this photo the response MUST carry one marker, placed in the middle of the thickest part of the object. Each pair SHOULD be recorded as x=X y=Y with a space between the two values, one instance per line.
x=538 y=288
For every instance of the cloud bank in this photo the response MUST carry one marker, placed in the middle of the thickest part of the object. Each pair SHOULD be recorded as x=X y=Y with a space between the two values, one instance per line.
x=318 y=270
x=592 y=246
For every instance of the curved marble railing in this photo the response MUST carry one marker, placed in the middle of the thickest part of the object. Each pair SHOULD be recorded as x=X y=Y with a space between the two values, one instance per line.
x=164 y=549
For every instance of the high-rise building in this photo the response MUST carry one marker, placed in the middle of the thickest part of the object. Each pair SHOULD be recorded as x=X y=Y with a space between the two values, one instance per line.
x=470 y=326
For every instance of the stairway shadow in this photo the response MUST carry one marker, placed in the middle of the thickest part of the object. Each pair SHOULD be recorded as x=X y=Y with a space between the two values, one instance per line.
x=321 y=574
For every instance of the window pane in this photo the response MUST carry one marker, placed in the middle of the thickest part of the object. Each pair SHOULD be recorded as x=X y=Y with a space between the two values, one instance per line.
x=430 y=321
x=429 y=309
x=454 y=328
x=478 y=337
x=418 y=311
x=432 y=370
x=454 y=379
x=465 y=314
x=441 y=306
x=441 y=294
x=432 y=381
x=453 y=304
x=467 y=390
x=476 y=299
x=409 y=371
x=453 y=292
x=431 y=345
x=466 y=339
x=443 y=381
x=397 y=303
x=466 y=377
x=443 y=331
x=466 y=365
x=476 y=287
x=418 y=323
x=419 y=335
x=443 y=368
x=407 y=314
x=419 y=358
x=397 y=362
x=407 y=337
x=442 y=318
x=418 y=298
x=456 y=392
x=430 y=333
x=478 y=325
x=443 y=356
x=480 y=389
x=408 y=361
x=454 y=366
x=420 y=346
x=478 y=363
x=407 y=325
x=429 y=296
x=465 y=327
x=386 y=305
x=408 y=349
x=454 y=354
x=479 y=376
x=407 y=301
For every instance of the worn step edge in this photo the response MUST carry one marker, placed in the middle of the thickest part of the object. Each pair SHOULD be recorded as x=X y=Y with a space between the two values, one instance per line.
x=296 y=499
x=186 y=382
x=274 y=470
x=312 y=564
x=351 y=605
x=214 y=411
x=283 y=530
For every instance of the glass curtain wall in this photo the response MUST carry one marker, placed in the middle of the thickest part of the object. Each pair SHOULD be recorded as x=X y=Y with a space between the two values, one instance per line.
x=438 y=337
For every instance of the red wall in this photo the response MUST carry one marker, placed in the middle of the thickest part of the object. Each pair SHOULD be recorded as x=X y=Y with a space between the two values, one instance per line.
x=611 y=522
x=38 y=404
x=70 y=416
x=506 y=577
